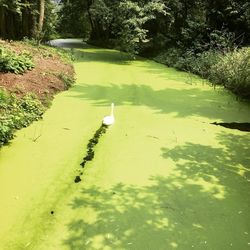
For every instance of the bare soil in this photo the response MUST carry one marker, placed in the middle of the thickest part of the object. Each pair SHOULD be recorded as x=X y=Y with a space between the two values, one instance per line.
x=43 y=80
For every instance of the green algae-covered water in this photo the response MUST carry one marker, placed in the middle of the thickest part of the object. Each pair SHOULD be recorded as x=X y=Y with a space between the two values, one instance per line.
x=162 y=177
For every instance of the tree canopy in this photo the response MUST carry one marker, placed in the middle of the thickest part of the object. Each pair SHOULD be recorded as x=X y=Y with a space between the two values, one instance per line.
x=156 y=24
x=131 y=25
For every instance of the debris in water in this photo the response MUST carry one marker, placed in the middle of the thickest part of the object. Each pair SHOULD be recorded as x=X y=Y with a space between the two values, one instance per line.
x=154 y=137
x=92 y=143
x=242 y=126
x=90 y=148
x=35 y=139
x=77 y=179
x=83 y=164
x=52 y=212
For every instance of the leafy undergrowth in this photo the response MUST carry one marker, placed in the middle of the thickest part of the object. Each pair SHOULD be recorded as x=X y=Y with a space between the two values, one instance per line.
x=15 y=63
x=16 y=113
x=30 y=76
x=230 y=69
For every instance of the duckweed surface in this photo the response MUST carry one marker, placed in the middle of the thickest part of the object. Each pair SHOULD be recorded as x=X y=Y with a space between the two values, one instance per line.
x=163 y=177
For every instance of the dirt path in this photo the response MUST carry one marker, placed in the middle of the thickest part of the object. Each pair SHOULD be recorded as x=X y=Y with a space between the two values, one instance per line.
x=162 y=177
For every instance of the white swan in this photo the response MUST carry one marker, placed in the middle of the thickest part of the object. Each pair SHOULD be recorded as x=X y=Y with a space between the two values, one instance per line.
x=109 y=120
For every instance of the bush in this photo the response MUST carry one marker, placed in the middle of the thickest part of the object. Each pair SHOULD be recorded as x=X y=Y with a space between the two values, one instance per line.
x=189 y=61
x=169 y=57
x=230 y=69
x=17 y=113
x=233 y=71
x=203 y=62
x=67 y=80
x=14 y=63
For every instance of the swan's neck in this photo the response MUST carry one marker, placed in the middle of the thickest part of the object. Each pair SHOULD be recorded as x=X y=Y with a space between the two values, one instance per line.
x=112 y=109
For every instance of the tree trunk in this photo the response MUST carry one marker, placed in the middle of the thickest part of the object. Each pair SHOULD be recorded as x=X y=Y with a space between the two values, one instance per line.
x=2 y=22
x=41 y=16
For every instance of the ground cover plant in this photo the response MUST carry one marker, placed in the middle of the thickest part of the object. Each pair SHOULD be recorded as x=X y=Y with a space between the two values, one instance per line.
x=15 y=63
x=16 y=113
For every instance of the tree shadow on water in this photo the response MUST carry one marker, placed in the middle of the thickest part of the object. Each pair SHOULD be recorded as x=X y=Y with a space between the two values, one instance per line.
x=102 y=56
x=229 y=163
x=202 y=204
x=181 y=102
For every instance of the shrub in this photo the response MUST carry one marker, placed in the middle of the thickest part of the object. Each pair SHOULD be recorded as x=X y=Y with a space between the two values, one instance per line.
x=233 y=71
x=203 y=63
x=189 y=61
x=15 y=63
x=67 y=80
x=17 y=113
x=230 y=69
x=169 y=57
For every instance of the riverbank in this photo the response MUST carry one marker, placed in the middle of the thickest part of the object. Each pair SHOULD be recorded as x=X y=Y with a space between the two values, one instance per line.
x=26 y=92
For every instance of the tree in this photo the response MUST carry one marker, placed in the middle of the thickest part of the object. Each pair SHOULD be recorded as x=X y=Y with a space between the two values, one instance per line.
x=24 y=18
x=41 y=17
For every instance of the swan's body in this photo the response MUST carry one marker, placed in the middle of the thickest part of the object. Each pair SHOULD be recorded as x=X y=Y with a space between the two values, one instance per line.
x=109 y=120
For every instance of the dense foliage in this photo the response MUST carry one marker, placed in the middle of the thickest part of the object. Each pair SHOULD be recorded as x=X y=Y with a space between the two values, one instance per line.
x=15 y=63
x=233 y=71
x=16 y=113
x=27 y=18
x=189 y=35
x=157 y=24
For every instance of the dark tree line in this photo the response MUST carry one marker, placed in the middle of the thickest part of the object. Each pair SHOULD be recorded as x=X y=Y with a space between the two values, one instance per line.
x=155 y=24
x=25 y=18
x=132 y=25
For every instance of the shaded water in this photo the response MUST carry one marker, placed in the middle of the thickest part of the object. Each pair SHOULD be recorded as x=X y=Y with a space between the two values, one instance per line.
x=243 y=126
x=163 y=177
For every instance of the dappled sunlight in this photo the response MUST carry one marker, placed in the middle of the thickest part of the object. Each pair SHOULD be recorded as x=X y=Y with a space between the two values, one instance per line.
x=156 y=217
x=178 y=103
x=180 y=210
x=210 y=186
x=127 y=216
x=216 y=170
x=243 y=171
